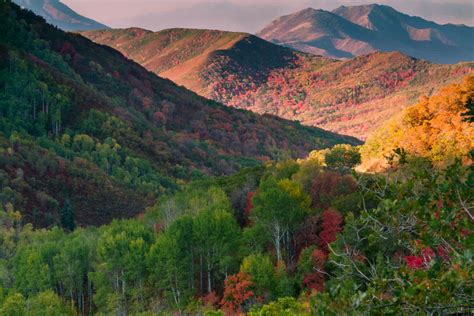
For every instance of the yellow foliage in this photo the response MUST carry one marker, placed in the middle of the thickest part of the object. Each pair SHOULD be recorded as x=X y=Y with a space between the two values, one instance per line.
x=435 y=128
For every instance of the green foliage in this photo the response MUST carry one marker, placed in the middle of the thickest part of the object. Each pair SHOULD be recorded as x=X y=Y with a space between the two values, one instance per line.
x=45 y=303
x=285 y=306
x=260 y=268
x=67 y=217
x=342 y=158
x=121 y=265
x=13 y=305
x=279 y=207
x=48 y=303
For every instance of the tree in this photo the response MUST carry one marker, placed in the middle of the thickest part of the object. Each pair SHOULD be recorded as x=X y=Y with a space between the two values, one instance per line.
x=311 y=269
x=331 y=226
x=328 y=186
x=48 y=303
x=342 y=158
x=121 y=266
x=171 y=262
x=279 y=208
x=239 y=294
x=262 y=273
x=217 y=235
x=13 y=305
x=67 y=216
x=73 y=264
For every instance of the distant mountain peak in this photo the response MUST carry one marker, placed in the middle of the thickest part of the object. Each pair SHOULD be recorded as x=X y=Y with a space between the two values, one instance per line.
x=57 y=13
x=350 y=31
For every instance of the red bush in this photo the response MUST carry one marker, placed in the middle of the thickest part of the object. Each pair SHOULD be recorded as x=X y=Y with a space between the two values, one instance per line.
x=315 y=281
x=331 y=226
x=238 y=292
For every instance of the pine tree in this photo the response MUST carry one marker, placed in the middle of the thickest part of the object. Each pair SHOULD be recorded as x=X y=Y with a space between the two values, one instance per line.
x=67 y=216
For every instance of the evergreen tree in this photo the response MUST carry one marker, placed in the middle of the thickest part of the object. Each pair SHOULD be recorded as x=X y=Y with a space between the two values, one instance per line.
x=67 y=216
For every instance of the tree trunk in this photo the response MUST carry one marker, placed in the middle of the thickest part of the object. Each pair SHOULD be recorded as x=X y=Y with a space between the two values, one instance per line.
x=209 y=280
x=276 y=240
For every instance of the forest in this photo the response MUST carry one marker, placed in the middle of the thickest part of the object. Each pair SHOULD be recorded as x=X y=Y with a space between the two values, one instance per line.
x=310 y=236
x=108 y=207
x=291 y=238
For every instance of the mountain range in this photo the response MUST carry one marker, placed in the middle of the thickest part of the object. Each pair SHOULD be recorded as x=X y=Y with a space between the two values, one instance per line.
x=241 y=70
x=351 y=31
x=81 y=124
x=58 y=14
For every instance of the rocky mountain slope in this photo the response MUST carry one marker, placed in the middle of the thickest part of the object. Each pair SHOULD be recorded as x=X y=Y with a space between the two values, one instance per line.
x=351 y=31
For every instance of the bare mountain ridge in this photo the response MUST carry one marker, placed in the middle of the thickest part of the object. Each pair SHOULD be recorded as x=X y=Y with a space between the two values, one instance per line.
x=350 y=31
x=57 y=13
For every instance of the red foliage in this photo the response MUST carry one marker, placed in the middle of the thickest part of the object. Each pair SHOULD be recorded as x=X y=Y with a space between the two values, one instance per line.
x=68 y=49
x=314 y=282
x=422 y=261
x=159 y=117
x=443 y=253
x=237 y=293
x=249 y=205
x=249 y=202
x=328 y=185
x=211 y=299
x=331 y=226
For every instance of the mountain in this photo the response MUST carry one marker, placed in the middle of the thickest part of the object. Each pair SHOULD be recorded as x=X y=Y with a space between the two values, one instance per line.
x=352 y=97
x=81 y=125
x=351 y=31
x=57 y=13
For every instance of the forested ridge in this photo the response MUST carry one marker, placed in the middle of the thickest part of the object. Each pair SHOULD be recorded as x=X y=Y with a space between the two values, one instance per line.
x=353 y=97
x=108 y=208
x=82 y=124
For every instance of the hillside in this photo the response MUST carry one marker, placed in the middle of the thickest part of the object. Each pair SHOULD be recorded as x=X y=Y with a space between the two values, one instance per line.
x=351 y=97
x=82 y=124
x=351 y=31
x=439 y=128
x=57 y=13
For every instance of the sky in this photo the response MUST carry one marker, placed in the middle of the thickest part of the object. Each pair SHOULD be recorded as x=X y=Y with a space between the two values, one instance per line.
x=246 y=15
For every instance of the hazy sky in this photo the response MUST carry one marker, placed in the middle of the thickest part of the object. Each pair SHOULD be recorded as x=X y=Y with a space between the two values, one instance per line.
x=246 y=15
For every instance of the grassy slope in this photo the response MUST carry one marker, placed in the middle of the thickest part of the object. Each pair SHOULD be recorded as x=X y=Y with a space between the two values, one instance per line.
x=350 y=97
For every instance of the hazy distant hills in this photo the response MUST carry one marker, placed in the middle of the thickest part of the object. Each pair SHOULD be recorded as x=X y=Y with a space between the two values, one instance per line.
x=352 y=97
x=351 y=31
x=57 y=13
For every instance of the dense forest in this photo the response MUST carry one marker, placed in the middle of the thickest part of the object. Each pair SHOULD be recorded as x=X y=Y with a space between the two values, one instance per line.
x=108 y=208
x=292 y=238
x=296 y=237
x=81 y=124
